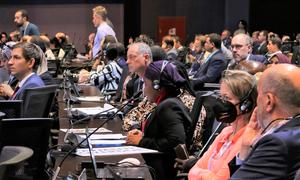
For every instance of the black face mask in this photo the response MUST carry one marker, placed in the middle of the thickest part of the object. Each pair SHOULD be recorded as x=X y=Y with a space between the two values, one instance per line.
x=224 y=111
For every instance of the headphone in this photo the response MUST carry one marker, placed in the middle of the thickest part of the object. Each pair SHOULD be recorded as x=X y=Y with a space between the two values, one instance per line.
x=156 y=82
x=246 y=103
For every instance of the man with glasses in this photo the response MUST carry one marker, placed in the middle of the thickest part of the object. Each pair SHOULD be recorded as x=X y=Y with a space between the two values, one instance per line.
x=241 y=47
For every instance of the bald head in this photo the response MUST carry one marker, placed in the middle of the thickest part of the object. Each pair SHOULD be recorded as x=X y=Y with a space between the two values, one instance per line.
x=241 y=46
x=282 y=81
x=242 y=38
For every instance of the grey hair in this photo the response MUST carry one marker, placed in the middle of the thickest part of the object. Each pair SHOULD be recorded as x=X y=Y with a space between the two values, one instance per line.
x=143 y=48
x=246 y=37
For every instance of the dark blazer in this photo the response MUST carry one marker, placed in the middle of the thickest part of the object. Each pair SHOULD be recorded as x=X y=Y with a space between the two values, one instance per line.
x=274 y=156
x=47 y=78
x=210 y=71
x=259 y=58
x=262 y=50
x=166 y=127
x=32 y=82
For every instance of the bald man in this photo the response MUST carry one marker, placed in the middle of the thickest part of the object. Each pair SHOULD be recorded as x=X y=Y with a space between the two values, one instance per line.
x=271 y=143
x=241 y=47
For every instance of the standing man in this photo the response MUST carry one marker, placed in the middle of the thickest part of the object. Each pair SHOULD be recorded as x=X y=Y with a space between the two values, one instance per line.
x=103 y=29
x=26 y=27
x=271 y=146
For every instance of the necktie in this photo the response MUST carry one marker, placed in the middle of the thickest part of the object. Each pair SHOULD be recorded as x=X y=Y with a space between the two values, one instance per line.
x=15 y=92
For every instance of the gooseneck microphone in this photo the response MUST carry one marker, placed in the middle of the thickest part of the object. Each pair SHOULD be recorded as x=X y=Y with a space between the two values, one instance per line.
x=131 y=100
x=211 y=138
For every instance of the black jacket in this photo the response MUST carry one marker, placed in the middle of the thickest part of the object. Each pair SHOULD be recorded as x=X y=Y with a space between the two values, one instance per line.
x=165 y=128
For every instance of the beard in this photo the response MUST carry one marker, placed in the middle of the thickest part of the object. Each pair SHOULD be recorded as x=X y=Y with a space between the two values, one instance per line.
x=19 y=25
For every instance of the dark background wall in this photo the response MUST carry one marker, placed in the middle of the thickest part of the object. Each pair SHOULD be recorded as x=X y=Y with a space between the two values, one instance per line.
x=202 y=16
x=279 y=16
x=75 y=20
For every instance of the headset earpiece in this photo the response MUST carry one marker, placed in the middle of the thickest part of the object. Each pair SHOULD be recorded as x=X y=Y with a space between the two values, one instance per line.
x=156 y=82
x=246 y=104
x=156 y=85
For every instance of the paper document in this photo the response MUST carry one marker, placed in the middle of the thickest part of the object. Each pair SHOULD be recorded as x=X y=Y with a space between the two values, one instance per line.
x=91 y=98
x=109 y=151
x=95 y=110
x=83 y=131
x=105 y=136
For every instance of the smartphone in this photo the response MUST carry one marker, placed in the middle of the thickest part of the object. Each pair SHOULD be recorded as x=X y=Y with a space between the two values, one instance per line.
x=181 y=151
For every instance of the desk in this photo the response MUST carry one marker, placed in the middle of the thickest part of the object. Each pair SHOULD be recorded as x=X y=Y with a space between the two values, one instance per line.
x=77 y=64
x=72 y=163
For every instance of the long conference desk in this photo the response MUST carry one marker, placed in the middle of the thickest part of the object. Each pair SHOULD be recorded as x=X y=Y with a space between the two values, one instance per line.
x=72 y=164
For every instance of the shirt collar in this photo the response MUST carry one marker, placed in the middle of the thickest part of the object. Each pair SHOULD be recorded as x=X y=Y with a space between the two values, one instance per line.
x=25 y=79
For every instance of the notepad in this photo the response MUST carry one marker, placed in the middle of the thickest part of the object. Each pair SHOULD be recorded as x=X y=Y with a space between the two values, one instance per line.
x=107 y=108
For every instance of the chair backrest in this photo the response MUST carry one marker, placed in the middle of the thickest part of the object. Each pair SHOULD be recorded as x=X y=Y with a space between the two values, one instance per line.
x=53 y=67
x=12 y=159
x=12 y=108
x=209 y=123
x=37 y=102
x=211 y=86
x=29 y=132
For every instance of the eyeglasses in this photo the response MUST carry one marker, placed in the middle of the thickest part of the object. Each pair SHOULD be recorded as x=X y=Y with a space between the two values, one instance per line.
x=236 y=46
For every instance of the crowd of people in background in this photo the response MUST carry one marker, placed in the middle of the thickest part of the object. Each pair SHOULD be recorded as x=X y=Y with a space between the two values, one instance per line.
x=170 y=74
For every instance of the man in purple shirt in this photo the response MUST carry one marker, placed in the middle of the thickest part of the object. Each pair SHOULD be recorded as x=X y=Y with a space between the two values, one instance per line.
x=103 y=29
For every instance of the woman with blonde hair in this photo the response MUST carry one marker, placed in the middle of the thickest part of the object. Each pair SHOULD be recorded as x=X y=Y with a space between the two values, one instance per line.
x=237 y=90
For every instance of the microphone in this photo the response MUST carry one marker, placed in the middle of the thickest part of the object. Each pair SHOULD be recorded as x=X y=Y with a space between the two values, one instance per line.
x=211 y=138
x=134 y=98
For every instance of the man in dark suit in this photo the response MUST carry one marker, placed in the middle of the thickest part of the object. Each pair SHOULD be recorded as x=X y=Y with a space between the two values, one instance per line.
x=261 y=48
x=241 y=47
x=271 y=141
x=24 y=60
x=210 y=71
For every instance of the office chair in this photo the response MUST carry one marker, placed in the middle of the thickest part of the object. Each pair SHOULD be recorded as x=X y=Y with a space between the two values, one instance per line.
x=210 y=86
x=12 y=108
x=54 y=67
x=37 y=102
x=32 y=133
x=12 y=158
x=208 y=127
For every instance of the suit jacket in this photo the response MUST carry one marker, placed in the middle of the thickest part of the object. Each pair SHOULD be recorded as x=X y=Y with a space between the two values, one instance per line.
x=259 y=58
x=260 y=49
x=210 y=71
x=32 y=82
x=274 y=156
x=166 y=127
